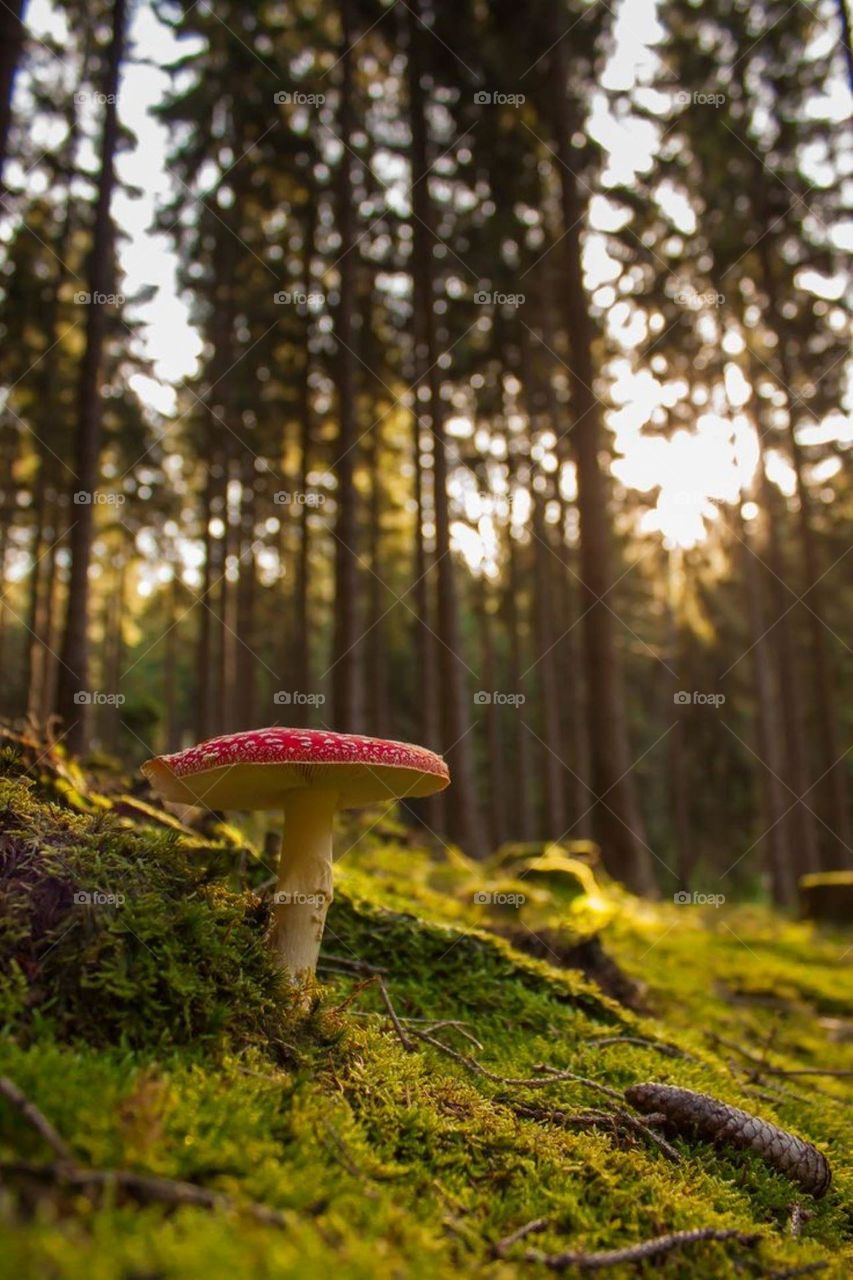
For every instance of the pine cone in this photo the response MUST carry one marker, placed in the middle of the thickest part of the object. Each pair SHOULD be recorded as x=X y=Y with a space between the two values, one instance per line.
x=708 y=1118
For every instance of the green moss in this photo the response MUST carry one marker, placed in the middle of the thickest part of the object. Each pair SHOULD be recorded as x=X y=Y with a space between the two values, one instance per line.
x=157 y=1036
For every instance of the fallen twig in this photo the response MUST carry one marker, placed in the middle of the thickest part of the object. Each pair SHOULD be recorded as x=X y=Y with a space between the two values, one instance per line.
x=618 y=1121
x=552 y=1075
x=143 y=1187
x=654 y=1248
x=764 y=1068
x=392 y=1014
x=10 y=1091
x=326 y=961
x=500 y=1249
x=662 y=1046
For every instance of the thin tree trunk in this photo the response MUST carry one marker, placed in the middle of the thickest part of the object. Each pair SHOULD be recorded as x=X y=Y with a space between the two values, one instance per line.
x=74 y=668
x=246 y=659
x=204 y=660
x=464 y=819
x=521 y=823
x=170 y=664
x=345 y=648
x=301 y=630
x=618 y=821
x=11 y=45
x=496 y=808
x=770 y=732
x=835 y=842
x=551 y=761
x=376 y=657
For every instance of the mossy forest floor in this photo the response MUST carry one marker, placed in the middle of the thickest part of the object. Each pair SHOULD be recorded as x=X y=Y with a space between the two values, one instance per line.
x=140 y=1012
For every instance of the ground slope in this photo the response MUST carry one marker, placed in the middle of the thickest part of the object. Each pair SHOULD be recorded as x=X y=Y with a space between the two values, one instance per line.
x=142 y=1016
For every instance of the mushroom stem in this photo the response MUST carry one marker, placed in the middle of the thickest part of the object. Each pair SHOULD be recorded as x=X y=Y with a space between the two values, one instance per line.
x=304 y=889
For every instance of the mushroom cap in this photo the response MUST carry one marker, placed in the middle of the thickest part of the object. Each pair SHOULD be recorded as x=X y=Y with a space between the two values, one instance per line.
x=256 y=769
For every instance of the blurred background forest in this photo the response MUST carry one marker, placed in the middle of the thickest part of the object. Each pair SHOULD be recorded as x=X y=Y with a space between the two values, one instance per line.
x=467 y=373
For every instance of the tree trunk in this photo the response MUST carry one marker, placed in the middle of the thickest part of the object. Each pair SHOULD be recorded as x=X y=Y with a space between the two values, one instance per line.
x=246 y=658
x=835 y=837
x=769 y=733
x=301 y=676
x=464 y=818
x=345 y=648
x=496 y=808
x=170 y=664
x=74 y=666
x=11 y=46
x=521 y=824
x=552 y=765
x=617 y=818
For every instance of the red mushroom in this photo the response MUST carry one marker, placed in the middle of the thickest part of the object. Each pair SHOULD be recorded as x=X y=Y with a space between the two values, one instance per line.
x=310 y=774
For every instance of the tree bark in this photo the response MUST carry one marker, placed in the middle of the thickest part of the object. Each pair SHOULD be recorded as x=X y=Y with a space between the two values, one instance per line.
x=74 y=666
x=11 y=46
x=617 y=818
x=464 y=819
x=835 y=838
x=345 y=648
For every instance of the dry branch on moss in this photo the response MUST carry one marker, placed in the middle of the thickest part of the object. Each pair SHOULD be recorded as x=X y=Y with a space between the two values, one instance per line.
x=662 y=1046
x=36 y=1119
x=640 y=1252
x=142 y=1187
x=618 y=1122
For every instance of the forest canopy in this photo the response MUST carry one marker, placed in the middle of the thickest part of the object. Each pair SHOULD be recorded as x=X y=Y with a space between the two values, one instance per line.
x=474 y=375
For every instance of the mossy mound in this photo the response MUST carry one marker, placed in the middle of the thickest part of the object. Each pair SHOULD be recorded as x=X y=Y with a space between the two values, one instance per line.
x=157 y=1037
